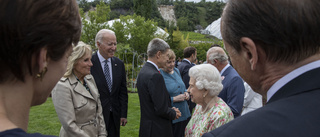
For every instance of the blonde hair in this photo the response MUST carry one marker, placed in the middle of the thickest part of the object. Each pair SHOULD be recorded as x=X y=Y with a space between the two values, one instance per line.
x=78 y=52
x=171 y=54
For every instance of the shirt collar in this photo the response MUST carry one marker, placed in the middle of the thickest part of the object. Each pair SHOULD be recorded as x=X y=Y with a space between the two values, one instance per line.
x=102 y=59
x=224 y=69
x=290 y=76
x=187 y=60
x=153 y=64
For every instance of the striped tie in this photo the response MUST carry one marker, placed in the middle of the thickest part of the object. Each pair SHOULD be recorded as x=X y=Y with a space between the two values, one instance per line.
x=107 y=75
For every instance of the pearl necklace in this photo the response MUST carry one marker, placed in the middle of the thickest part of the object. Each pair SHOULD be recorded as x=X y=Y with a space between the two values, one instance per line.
x=212 y=100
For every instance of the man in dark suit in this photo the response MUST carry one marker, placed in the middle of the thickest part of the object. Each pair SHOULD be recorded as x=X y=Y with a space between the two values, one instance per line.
x=190 y=56
x=155 y=104
x=233 y=86
x=274 y=46
x=110 y=77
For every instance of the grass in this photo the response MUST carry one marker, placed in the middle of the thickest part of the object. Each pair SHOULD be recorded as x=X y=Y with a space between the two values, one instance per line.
x=196 y=36
x=44 y=120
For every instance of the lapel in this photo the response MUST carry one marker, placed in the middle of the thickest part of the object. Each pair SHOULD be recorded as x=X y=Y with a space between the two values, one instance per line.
x=98 y=69
x=308 y=81
x=225 y=74
x=93 y=89
x=79 y=88
x=113 y=69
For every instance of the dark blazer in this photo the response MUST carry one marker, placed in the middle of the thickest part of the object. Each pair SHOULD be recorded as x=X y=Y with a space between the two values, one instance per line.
x=184 y=71
x=118 y=98
x=233 y=90
x=293 y=111
x=155 y=105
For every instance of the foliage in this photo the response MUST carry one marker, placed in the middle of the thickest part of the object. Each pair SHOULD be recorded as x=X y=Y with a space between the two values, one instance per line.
x=165 y=2
x=190 y=13
x=193 y=36
x=97 y=22
x=178 y=42
x=84 y=5
x=143 y=7
x=201 y=17
x=182 y=22
x=213 y=10
x=202 y=49
x=43 y=118
x=148 y=10
x=121 y=4
x=202 y=13
x=129 y=31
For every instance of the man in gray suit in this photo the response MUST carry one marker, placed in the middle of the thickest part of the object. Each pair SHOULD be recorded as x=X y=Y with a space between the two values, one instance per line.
x=155 y=104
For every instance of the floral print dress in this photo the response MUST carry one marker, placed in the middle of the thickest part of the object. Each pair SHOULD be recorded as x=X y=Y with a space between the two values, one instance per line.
x=201 y=123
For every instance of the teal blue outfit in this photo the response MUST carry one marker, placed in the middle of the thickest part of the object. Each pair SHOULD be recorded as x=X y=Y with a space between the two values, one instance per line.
x=175 y=86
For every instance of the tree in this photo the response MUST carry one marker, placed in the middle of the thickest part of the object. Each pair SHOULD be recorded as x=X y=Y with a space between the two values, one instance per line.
x=135 y=31
x=178 y=42
x=95 y=23
x=183 y=23
x=84 y=5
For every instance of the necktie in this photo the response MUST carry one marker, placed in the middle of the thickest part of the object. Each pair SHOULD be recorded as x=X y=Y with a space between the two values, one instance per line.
x=107 y=75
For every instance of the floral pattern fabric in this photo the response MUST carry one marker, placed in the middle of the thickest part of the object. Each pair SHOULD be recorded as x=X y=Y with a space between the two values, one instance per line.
x=201 y=123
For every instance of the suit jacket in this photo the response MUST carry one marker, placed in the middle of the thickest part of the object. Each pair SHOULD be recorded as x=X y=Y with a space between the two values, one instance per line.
x=293 y=111
x=117 y=99
x=155 y=105
x=233 y=90
x=79 y=112
x=184 y=67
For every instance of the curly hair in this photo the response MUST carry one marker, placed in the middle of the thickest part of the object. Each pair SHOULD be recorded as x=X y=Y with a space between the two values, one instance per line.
x=207 y=77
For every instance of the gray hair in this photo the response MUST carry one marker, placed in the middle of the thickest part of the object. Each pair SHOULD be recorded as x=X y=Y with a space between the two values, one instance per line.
x=78 y=52
x=207 y=77
x=217 y=53
x=156 y=45
x=101 y=33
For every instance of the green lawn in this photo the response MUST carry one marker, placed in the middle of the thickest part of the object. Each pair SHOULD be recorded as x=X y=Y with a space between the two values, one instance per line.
x=193 y=36
x=43 y=118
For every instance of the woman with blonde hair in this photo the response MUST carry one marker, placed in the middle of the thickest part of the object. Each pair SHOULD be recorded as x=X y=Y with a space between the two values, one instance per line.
x=178 y=94
x=211 y=111
x=76 y=98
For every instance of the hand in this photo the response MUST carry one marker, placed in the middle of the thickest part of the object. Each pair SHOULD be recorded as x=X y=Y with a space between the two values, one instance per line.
x=179 y=98
x=123 y=121
x=178 y=113
x=187 y=95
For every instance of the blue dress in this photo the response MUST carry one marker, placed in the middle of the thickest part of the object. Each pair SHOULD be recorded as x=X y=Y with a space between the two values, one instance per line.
x=175 y=86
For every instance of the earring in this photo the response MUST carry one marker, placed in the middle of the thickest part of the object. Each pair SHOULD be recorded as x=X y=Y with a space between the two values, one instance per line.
x=42 y=73
x=204 y=95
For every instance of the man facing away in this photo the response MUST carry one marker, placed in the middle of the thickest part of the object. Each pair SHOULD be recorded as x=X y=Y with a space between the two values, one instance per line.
x=190 y=56
x=233 y=86
x=274 y=46
x=155 y=104
x=110 y=77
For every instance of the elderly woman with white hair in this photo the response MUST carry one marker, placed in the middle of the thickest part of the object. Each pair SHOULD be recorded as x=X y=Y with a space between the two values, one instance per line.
x=211 y=111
